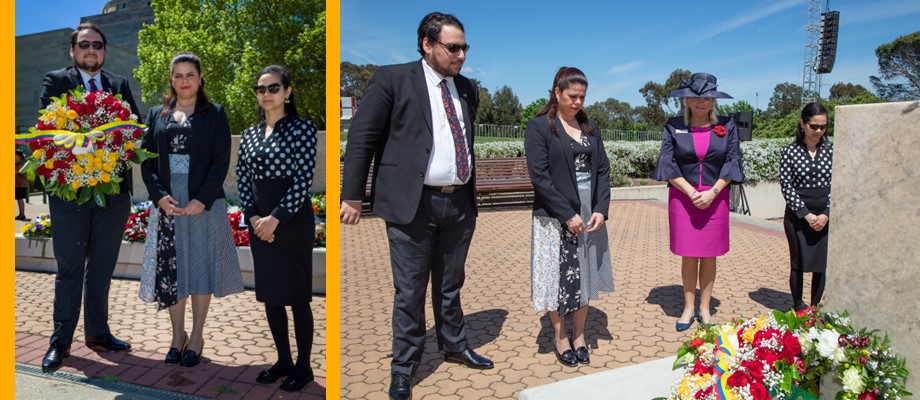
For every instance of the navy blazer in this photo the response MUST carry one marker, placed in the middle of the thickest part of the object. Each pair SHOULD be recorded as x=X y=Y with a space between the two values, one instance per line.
x=209 y=155
x=551 y=164
x=393 y=128
x=678 y=157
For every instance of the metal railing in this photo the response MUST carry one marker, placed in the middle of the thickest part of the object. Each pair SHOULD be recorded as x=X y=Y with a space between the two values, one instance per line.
x=517 y=132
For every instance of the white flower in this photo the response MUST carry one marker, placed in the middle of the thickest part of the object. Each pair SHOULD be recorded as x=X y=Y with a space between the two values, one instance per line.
x=827 y=343
x=852 y=381
x=840 y=355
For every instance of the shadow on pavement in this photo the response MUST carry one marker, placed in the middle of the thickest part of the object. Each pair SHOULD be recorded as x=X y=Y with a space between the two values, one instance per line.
x=772 y=298
x=595 y=330
x=482 y=327
x=671 y=300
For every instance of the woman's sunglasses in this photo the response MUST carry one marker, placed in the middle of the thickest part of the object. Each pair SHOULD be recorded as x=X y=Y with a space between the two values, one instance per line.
x=273 y=88
x=84 y=44
x=816 y=127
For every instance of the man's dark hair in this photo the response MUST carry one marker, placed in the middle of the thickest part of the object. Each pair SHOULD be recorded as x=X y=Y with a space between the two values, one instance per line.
x=84 y=26
x=431 y=25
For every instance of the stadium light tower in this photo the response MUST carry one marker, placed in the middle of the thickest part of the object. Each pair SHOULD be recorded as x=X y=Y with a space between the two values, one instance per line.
x=820 y=48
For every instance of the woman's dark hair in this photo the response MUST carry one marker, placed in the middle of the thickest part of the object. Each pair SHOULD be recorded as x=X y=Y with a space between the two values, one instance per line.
x=810 y=110
x=565 y=77
x=169 y=100
x=290 y=104
x=431 y=25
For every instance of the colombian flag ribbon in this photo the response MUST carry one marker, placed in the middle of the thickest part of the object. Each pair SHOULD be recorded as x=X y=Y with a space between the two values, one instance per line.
x=69 y=139
x=727 y=352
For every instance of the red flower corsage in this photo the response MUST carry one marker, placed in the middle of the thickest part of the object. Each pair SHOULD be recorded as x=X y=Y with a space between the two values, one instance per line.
x=719 y=130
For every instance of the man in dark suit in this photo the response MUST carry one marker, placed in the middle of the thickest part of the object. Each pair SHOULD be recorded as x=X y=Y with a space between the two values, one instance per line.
x=86 y=237
x=416 y=124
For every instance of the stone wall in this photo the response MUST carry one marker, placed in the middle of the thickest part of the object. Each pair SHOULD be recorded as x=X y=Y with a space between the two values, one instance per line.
x=874 y=242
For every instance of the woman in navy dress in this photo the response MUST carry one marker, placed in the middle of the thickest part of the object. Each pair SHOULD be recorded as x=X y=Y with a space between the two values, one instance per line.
x=805 y=179
x=189 y=244
x=274 y=174
x=700 y=156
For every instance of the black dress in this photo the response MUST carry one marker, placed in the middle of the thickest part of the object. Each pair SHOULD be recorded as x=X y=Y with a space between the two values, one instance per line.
x=806 y=186
x=274 y=175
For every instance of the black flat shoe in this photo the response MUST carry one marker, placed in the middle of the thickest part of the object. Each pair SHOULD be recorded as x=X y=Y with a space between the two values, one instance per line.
x=469 y=358
x=54 y=357
x=295 y=383
x=271 y=375
x=190 y=359
x=106 y=342
x=174 y=355
x=582 y=355
x=567 y=358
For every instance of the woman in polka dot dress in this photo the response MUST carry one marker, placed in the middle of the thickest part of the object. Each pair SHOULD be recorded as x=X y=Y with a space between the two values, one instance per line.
x=274 y=174
x=805 y=179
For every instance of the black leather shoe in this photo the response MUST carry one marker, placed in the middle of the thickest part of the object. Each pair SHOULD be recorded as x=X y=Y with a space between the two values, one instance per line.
x=55 y=356
x=400 y=389
x=106 y=342
x=469 y=358
x=174 y=355
x=294 y=383
x=567 y=358
x=582 y=355
x=271 y=375
x=190 y=359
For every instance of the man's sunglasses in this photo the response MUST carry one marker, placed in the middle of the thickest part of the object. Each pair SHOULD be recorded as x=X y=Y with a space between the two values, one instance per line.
x=454 y=48
x=84 y=44
x=273 y=88
x=815 y=127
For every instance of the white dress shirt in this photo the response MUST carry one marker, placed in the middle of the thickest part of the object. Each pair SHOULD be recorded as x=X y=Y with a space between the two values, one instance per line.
x=86 y=77
x=442 y=169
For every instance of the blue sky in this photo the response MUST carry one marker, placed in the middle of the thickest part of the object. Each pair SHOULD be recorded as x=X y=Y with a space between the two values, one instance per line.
x=750 y=46
x=39 y=16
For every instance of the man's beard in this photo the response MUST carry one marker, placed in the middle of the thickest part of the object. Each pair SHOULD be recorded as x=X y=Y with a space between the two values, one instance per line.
x=91 y=66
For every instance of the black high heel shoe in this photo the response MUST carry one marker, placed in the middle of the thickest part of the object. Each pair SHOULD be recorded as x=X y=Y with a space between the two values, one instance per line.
x=174 y=355
x=567 y=357
x=190 y=358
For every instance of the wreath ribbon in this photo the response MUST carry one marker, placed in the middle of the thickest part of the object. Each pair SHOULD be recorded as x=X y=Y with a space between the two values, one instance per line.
x=726 y=352
x=69 y=139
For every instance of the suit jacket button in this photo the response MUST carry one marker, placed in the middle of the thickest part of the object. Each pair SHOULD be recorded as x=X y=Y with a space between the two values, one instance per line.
x=427 y=151
x=421 y=174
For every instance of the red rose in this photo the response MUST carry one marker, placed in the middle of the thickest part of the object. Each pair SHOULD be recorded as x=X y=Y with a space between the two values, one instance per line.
x=124 y=114
x=61 y=178
x=755 y=367
x=129 y=154
x=758 y=392
x=767 y=356
x=42 y=171
x=800 y=366
x=791 y=346
x=739 y=379
x=719 y=130
x=90 y=98
x=696 y=343
x=764 y=334
x=867 y=396
x=700 y=368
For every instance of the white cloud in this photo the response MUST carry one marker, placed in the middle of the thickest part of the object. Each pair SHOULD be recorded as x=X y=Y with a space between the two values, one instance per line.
x=622 y=68
x=745 y=18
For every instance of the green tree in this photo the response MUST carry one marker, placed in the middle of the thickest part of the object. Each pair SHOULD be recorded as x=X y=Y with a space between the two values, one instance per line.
x=532 y=109
x=485 y=114
x=842 y=90
x=611 y=114
x=235 y=40
x=899 y=65
x=507 y=107
x=656 y=98
x=354 y=79
x=786 y=99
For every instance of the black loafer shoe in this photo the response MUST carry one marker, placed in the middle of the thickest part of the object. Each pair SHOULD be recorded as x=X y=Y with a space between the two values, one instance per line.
x=54 y=357
x=400 y=388
x=174 y=355
x=190 y=359
x=567 y=358
x=469 y=358
x=106 y=342
x=582 y=355
x=295 y=383
x=271 y=375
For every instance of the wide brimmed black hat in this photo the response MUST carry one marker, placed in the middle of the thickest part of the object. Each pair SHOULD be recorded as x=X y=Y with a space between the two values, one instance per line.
x=700 y=84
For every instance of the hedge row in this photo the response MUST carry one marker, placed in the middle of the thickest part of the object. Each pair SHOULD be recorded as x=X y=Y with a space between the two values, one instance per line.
x=637 y=160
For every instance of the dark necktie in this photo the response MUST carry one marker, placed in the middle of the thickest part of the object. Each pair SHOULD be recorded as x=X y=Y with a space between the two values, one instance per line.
x=92 y=85
x=462 y=157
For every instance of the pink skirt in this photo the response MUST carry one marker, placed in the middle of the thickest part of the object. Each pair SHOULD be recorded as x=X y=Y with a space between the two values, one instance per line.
x=695 y=232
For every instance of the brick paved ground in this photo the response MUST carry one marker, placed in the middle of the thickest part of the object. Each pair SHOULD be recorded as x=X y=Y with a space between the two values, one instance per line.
x=632 y=325
x=238 y=343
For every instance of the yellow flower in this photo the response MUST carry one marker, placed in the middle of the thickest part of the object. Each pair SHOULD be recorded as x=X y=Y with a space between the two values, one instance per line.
x=76 y=184
x=97 y=164
x=71 y=114
x=107 y=167
x=99 y=153
x=60 y=123
x=80 y=157
x=77 y=169
x=76 y=126
x=89 y=157
x=749 y=334
x=113 y=157
x=25 y=227
x=685 y=389
x=129 y=145
x=49 y=164
x=105 y=177
x=89 y=168
x=38 y=153
x=61 y=112
x=93 y=181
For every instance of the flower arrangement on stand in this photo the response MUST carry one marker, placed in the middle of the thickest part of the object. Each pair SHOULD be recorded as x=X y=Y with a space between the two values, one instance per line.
x=82 y=143
x=37 y=227
x=136 y=227
x=319 y=216
x=239 y=229
x=785 y=355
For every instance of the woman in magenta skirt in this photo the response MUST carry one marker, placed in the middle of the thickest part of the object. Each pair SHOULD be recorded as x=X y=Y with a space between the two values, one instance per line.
x=700 y=156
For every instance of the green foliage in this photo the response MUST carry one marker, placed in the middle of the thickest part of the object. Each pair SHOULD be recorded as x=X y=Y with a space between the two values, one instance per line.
x=485 y=114
x=507 y=107
x=899 y=64
x=656 y=98
x=840 y=91
x=612 y=114
x=235 y=40
x=778 y=127
x=532 y=109
x=354 y=79
x=786 y=99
